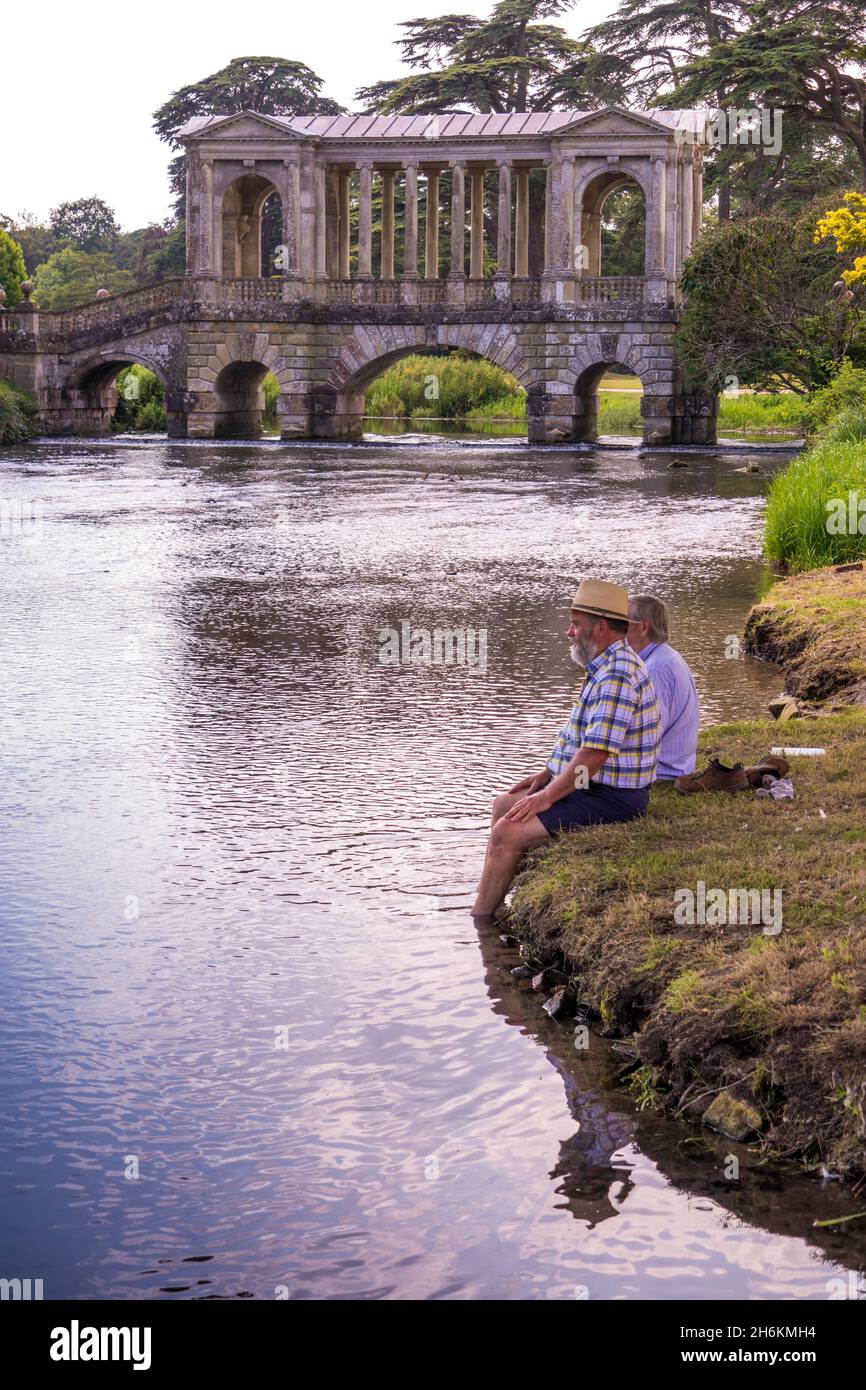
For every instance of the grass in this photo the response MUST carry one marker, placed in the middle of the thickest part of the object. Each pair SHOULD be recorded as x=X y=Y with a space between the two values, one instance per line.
x=765 y=1019
x=806 y=503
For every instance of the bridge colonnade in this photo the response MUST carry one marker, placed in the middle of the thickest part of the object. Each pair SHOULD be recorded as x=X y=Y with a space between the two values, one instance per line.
x=493 y=269
x=325 y=169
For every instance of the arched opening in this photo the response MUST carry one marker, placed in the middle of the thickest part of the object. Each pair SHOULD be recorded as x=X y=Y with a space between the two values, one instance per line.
x=613 y=226
x=239 y=401
x=607 y=401
x=440 y=391
x=252 y=213
x=122 y=396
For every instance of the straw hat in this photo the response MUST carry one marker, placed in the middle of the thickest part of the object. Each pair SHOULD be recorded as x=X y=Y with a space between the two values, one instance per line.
x=601 y=600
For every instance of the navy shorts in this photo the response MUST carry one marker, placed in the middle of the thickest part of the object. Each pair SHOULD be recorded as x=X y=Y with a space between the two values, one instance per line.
x=596 y=805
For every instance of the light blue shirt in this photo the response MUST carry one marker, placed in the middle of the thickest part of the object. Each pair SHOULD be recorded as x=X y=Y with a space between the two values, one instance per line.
x=678 y=701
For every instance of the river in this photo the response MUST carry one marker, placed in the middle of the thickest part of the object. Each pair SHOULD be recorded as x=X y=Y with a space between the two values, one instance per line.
x=253 y=1045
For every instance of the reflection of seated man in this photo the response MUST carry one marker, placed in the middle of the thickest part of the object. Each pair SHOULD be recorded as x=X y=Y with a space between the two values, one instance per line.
x=604 y=759
x=673 y=682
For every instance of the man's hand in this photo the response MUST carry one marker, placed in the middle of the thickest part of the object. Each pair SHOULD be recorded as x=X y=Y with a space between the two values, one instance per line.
x=529 y=806
x=531 y=784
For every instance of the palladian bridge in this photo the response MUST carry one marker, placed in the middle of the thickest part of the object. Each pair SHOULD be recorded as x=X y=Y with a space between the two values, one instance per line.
x=295 y=266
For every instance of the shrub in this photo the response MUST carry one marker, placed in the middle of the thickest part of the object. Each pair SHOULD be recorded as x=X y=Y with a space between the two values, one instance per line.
x=140 y=401
x=19 y=414
x=847 y=389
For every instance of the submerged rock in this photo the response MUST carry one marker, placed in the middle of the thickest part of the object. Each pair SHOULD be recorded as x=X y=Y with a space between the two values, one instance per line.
x=733 y=1118
x=560 y=1005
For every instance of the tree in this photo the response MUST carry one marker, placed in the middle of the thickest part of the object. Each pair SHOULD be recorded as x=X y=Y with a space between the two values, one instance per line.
x=88 y=224
x=274 y=86
x=12 y=269
x=760 y=307
x=36 y=240
x=507 y=62
x=646 y=48
x=71 y=277
x=803 y=59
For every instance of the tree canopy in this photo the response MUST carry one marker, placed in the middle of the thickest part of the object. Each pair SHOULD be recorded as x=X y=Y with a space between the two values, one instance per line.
x=87 y=224
x=514 y=60
x=761 y=306
x=12 y=268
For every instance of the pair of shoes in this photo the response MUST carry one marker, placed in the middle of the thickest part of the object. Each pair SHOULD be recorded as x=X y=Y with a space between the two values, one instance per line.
x=715 y=778
x=772 y=766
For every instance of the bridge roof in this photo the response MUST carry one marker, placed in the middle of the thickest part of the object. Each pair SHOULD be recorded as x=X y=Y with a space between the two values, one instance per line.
x=446 y=125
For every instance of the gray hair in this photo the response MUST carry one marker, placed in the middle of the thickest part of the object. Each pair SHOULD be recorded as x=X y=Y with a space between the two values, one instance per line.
x=648 y=608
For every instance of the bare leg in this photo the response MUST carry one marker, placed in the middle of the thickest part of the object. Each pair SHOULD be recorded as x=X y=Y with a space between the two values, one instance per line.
x=508 y=840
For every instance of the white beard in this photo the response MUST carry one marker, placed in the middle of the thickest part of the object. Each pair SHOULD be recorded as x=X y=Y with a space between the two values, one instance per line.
x=583 y=652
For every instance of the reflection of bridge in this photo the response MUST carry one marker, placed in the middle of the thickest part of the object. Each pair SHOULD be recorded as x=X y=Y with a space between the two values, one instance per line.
x=531 y=295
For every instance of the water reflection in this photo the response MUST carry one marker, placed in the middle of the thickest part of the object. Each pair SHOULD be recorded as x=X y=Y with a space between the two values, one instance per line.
x=240 y=852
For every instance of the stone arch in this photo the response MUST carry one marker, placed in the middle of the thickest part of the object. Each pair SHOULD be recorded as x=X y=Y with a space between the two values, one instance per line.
x=227 y=388
x=89 y=392
x=240 y=208
x=592 y=192
x=338 y=407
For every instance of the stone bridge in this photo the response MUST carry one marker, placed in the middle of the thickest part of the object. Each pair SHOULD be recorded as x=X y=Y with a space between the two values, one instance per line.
x=318 y=201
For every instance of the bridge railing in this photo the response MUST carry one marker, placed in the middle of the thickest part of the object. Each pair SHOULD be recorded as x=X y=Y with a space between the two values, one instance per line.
x=610 y=289
x=238 y=296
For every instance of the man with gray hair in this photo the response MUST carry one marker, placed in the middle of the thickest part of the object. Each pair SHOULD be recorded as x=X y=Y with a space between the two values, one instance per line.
x=673 y=682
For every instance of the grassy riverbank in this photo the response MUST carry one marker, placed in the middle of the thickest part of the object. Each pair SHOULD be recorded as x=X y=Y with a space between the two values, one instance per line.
x=770 y=1031
x=814 y=625
x=761 y=1035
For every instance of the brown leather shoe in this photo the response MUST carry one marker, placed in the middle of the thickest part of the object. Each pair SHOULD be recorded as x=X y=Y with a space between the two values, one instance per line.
x=715 y=778
x=772 y=764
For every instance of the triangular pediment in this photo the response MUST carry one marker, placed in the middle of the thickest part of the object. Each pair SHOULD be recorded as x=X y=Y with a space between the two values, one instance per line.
x=241 y=125
x=613 y=120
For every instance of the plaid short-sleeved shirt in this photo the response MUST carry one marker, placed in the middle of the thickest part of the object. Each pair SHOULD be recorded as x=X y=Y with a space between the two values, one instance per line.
x=618 y=712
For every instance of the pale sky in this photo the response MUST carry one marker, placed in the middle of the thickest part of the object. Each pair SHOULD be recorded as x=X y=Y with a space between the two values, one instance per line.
x=77 y=95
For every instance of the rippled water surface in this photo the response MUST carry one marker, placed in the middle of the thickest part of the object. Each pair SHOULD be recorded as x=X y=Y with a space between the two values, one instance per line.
x=252 y=1042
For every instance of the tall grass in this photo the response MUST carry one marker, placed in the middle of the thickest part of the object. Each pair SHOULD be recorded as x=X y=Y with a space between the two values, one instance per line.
x=796 y=528
x=447 y=387
x=762 y=413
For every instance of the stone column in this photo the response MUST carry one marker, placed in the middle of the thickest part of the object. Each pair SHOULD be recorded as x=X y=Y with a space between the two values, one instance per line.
x=386 y=267
x=548 y=218
x=688 y=190
x=291 y=196
x=365 y=222
x=671 y=215
x=321 y=203
x=458 y=221
x=656 y=220
x=476 y=229
x=503 y=223
x=210 y=264
x=562 y=228
x=431 y=227
x=521 y=225
x=410 y=224
x=332 y=221
x=580 y=250
x=343 y=177
x=697 y=193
